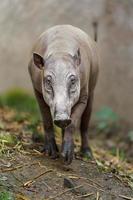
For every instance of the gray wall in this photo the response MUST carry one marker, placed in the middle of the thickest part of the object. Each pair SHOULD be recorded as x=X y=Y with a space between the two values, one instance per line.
x=22 y=21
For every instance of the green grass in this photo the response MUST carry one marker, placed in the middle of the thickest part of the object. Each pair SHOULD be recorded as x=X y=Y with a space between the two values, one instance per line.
x=5 y=195
x=119 y=153
x=21 y=101
x=7 y=138
x=26 y=108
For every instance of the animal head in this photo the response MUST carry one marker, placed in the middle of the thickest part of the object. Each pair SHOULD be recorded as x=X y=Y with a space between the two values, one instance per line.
x=60 y=84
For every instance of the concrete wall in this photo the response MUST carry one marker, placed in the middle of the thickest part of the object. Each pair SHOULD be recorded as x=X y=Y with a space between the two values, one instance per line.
x=22 y=21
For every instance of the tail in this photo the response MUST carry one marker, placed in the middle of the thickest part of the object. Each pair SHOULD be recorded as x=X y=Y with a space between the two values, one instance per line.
x=95 y=27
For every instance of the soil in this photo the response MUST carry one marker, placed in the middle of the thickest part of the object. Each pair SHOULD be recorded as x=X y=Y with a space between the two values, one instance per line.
x=51 y=183
x=31 y=175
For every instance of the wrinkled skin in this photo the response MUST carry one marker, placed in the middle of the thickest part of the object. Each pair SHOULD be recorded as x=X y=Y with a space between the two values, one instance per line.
x=61 y=86
x=63 y=70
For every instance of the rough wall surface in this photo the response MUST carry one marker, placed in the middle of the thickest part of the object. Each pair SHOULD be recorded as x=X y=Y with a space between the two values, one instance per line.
x=22 y=21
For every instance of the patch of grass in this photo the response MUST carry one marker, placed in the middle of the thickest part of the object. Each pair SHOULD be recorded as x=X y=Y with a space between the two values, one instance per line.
x=7 y=138
x=5 y=195
x=119 y=153
x=20 y=117
x=21 y=101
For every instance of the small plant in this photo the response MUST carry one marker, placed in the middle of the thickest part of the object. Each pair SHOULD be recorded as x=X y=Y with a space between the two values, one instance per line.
x=107 y=120
x=119 y=153
x=8 y=138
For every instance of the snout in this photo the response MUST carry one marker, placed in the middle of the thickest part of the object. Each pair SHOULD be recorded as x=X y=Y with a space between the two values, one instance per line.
x=62 y=121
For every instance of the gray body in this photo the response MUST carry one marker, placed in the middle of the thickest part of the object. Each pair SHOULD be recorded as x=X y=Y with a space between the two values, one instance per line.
x=63 y=70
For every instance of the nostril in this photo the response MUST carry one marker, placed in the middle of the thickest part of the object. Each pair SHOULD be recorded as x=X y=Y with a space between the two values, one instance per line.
x=57 y=122
x=67 y=122
x=62 y=123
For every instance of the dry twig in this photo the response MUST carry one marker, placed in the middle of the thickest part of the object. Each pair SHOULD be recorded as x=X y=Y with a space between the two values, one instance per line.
x=28 y=183
x=95 y=185
x=86 y=195
x=125 y=197
x=97 y=197
x=17 y=167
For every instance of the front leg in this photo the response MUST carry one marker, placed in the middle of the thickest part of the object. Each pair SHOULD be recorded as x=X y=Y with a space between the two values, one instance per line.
x=68 y=143
x=50 y=146
x=85 y=149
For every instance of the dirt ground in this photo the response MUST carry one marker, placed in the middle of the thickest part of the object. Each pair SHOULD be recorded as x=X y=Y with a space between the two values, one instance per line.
x=31 y=175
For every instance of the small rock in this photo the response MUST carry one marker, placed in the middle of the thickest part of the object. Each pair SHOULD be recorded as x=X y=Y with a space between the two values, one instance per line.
x=70 y=184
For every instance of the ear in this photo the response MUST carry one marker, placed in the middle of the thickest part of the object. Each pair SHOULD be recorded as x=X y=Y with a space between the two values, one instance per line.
x=38 y=60
x=77 y=57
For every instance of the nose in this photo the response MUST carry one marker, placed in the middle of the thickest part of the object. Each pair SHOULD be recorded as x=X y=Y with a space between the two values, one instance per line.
x=62 y=123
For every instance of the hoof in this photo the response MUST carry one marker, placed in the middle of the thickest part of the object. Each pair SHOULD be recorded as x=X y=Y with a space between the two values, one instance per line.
x=86 y=153
x=50 y=148
x=67 y=152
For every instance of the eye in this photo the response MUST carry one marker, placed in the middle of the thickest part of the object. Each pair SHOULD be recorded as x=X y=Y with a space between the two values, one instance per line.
x=72 y=84
x=73 y=80
x=48 y=83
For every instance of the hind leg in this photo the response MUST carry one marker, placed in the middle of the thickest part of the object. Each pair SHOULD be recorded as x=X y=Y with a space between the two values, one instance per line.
x=85 y=149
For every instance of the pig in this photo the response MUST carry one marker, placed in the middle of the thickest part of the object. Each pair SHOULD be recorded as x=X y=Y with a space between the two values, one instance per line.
x=64 y=70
